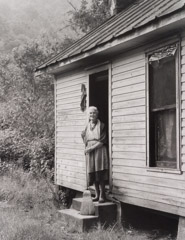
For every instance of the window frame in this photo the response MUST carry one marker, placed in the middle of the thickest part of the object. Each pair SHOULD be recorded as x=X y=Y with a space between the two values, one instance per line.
x=178 y=107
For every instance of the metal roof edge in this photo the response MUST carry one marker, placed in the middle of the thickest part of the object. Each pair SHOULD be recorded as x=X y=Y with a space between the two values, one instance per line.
x=157 y=18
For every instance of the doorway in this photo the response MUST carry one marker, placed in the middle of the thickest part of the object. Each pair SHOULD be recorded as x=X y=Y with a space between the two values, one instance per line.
x=99 y=97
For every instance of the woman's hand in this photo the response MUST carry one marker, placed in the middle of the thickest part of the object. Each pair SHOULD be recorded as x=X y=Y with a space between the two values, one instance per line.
x=88 y=150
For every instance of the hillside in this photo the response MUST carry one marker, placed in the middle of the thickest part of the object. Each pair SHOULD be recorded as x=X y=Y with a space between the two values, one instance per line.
x=22 y=20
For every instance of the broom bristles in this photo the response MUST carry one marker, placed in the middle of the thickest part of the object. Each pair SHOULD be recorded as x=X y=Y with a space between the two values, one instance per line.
x=87 y=206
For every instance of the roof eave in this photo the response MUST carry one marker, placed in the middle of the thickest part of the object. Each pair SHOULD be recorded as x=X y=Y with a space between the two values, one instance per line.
x=158 y=23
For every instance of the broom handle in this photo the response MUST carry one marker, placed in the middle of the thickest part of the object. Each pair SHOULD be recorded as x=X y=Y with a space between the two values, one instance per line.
x=86 y=171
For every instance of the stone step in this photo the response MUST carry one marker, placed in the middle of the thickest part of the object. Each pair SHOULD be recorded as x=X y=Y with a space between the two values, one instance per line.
x=79 y=222
x=106 y=212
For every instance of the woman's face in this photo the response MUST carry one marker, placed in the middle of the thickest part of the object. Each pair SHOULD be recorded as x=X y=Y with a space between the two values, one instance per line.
x=93 y=115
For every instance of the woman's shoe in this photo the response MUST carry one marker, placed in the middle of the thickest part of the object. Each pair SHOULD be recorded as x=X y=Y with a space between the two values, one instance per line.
x=101 y=200
x=95 y=199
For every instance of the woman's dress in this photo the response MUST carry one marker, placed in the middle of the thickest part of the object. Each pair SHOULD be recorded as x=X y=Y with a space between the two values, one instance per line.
x=97 y=160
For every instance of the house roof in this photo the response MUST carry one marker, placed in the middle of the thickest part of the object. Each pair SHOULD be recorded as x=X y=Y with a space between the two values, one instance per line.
x=135 y=16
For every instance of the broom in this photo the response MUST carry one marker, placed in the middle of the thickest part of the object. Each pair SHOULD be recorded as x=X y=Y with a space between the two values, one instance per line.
x=87 y=206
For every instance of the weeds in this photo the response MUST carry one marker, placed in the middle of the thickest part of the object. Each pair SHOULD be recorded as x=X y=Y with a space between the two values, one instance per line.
x=30 y=214
x=21 y=189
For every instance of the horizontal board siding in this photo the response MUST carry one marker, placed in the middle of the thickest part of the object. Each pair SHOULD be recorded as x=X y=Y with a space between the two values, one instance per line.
x=129 y=118
x=74 y=164
x=129 y=133
x=128 y=96
x=166 y=192
x=128 y=81
x=68 y=96
x=128 y=89
x=151 y=180
x=70 y=121
x=143 y=201
x=129 y=140
x=132 y=180
x=127 y=104
x=145 y=172
x=128 y=111
x=63 y=123
x=182 y=152
x=151 y=196
x=127 y=67
x=129 y=74
x=129 y=148
x=70 y=156
x=128 y=125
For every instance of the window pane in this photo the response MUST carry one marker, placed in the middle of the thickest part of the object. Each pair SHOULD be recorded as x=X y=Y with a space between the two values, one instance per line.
x=165 y=129
x=162 y=83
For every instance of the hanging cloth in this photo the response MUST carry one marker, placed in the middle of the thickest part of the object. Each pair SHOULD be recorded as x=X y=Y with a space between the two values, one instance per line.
x=164 y=52
x=83 y=97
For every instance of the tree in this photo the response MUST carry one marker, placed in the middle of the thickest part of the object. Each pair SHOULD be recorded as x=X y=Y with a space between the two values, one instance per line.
x=27 y=106
x=87 y=18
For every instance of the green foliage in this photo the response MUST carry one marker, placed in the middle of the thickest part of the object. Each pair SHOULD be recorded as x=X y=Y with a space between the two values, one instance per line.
x=23 y=20
x=66 y=195
x=27 y=103
x=27 y=110
x=28 y=212
x=87 y=18
x=27 y=107
x=42 y=158
x=22 y=189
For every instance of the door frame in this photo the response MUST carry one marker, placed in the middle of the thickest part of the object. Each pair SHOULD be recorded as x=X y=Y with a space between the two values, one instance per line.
x=97 y=69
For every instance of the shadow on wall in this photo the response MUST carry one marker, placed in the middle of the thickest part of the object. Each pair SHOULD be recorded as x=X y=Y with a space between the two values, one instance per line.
x=142 y=219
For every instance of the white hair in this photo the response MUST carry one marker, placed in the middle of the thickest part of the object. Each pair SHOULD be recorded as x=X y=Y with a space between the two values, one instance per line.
x=93 y=108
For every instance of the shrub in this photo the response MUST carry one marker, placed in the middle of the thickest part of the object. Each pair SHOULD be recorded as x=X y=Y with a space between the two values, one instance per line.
x=13 y=148
x=42 y=157
x=65 y=196
x=36 y=155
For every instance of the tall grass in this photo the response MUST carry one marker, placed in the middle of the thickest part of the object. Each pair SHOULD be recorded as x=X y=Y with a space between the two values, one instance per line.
x=29 y=213
x=21 y=189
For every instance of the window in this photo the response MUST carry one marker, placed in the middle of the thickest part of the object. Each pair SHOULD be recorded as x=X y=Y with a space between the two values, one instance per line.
x=163 y=132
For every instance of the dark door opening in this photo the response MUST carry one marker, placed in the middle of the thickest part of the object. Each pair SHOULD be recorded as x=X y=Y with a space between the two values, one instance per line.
x=98 y=95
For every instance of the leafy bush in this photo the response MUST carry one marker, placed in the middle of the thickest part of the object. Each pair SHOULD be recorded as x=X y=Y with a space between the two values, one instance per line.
x=42 y=157
x=66 y=195
x=13 y=148
x=36 y=155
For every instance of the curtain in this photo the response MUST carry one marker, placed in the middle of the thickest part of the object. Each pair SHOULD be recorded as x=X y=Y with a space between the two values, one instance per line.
x=166 y=134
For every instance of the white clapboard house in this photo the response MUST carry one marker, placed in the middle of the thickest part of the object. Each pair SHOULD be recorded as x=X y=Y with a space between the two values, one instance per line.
x=132 y=68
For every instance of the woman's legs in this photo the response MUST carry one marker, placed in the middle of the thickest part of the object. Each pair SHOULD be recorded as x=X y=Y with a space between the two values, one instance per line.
x=102 y=192
x=97 y=191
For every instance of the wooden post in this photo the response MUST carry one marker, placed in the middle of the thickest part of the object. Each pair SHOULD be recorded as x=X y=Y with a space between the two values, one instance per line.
x=119 y=213
x=181 y=228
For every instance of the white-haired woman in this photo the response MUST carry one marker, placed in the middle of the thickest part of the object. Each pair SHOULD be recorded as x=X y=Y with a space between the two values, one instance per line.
x=95 y=139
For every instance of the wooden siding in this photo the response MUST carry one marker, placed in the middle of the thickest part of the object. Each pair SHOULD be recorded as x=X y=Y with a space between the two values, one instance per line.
x=70 y=121
x=133 y=182
x=182 y=59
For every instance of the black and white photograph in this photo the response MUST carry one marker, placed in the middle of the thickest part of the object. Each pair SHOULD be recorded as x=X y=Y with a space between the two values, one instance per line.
x=92 y=120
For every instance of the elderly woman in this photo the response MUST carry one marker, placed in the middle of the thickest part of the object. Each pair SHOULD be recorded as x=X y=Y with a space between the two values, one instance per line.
x=95 y=140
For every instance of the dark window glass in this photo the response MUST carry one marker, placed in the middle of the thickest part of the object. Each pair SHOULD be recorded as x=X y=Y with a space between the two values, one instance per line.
x=162 y=116
x=162 y=83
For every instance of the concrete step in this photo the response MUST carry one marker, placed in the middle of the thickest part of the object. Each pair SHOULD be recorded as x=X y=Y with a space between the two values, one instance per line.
x=106 y=212
x=79 y=222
